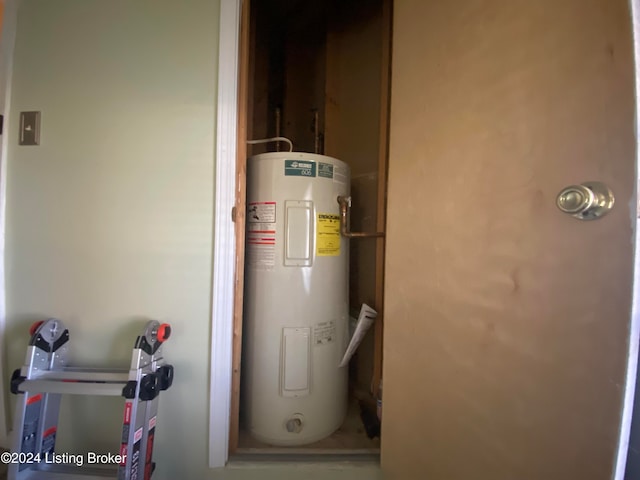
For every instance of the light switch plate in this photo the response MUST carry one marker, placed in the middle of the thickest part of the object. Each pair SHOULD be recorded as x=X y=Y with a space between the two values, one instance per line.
x=29 y=128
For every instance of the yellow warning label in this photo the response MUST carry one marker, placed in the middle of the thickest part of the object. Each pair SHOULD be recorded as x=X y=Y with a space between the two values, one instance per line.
x=328 y=235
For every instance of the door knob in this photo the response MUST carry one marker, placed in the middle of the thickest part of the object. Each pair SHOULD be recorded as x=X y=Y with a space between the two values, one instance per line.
x=587 y=201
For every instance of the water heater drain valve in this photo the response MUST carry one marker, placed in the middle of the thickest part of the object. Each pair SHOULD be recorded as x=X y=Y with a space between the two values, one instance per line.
x=294 y=424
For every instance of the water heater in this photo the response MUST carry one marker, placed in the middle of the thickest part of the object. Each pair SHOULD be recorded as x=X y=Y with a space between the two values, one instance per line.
x=296 y=298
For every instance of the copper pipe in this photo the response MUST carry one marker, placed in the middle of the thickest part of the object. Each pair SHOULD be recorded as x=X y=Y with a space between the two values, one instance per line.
x=345 y=205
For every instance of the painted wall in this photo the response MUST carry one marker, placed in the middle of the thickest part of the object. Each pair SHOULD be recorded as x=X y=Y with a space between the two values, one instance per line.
x=109 y=220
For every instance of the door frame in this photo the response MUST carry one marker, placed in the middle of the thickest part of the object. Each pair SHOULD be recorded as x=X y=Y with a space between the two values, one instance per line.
x=224 y=254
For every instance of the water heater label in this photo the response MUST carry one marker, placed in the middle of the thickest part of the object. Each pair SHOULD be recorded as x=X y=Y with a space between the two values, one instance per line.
x=261 y=235
x=324 y=332
x=325 y=170
x=328 y=235
x=261 y=257
x=261 y=212
x=299 y=168
x=340 y=175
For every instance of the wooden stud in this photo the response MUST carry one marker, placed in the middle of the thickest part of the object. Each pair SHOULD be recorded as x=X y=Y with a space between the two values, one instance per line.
x=383 y=160
x=241 y=176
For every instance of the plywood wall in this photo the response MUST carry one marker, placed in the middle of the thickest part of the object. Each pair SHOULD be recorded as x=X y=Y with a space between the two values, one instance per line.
x=287 y=72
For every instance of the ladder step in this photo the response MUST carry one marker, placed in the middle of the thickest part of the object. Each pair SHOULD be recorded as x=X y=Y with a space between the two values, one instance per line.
x=72 y=388
x=85 y=375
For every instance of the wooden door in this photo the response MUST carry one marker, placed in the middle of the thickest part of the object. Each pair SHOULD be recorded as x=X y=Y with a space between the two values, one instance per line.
x=506 y=320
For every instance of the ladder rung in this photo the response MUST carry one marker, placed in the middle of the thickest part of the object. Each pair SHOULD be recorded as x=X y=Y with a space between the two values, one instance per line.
x=71 y=388
x=85 y=375
x=94 y=369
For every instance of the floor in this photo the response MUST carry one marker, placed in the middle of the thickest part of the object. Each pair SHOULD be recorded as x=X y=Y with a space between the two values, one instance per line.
x=265 y=470
x=348 y=454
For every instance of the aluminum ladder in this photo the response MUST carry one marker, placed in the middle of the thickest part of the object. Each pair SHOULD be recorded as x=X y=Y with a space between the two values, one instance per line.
x=45 y=377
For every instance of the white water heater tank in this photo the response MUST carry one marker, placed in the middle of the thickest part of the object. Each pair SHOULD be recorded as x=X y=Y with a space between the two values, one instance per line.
x=296 y=298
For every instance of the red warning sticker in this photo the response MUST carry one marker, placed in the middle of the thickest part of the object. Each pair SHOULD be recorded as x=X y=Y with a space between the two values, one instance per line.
x=261 y=223
x=261 y=235
x=34 y=399
x=127 y=412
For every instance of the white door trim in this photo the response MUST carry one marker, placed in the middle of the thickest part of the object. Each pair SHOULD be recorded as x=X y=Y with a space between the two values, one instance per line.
x=224 y=235
x=7 y=44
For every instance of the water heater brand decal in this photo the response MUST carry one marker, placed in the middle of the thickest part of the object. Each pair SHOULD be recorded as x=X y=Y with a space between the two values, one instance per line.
x=261 y=235
x=325 y=170
x=299 y=168
x=328 y=235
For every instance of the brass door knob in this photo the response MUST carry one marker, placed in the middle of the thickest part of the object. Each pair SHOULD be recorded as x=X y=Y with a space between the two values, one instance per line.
x=587 y=201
